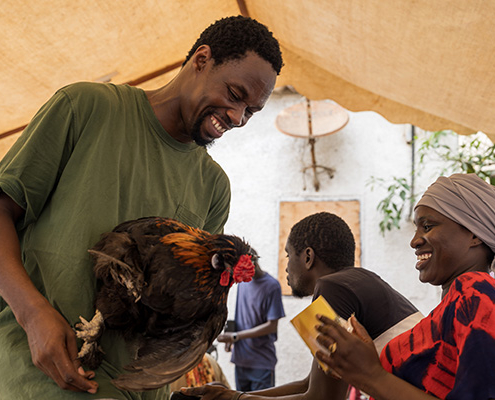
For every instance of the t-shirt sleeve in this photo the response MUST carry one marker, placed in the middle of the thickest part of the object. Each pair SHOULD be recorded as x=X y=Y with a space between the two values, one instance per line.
x=276 y=307
x=342 y=300
x=32 y=167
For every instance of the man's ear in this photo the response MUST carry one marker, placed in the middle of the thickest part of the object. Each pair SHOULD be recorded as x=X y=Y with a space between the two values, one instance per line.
x=309 y=257
x=201 y=56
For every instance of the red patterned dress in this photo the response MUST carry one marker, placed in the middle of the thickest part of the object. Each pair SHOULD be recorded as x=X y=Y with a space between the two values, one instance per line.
x=450 y=354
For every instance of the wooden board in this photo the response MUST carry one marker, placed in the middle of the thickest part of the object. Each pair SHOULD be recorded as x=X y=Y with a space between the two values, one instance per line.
x=292 y=212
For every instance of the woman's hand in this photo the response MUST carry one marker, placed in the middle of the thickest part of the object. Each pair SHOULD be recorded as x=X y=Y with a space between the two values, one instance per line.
x=352 y=356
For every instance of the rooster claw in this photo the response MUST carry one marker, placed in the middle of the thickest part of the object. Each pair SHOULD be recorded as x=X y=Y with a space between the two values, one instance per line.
x=91 y=353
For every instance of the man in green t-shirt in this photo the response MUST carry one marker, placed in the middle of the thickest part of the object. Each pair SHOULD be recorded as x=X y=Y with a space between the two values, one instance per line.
x=96 y=155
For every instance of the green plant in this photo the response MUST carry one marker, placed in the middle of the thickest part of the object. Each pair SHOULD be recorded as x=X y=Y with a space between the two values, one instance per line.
x=393 y=205
x=472 y=155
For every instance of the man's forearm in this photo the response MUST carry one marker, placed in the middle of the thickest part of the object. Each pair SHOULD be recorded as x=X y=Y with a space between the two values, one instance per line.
x=16 y=288
x=256 y=396
x=51 y=340
x=290 y=388
x=260 y=330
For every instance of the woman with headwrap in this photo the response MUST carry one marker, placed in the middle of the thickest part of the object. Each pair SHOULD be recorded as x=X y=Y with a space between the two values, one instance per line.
x=450 y=354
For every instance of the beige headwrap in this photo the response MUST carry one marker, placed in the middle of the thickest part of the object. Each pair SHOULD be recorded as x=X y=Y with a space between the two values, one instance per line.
x=466 y=199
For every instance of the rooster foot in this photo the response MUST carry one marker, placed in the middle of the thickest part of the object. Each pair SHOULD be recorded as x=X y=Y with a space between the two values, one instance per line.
x=91 y=353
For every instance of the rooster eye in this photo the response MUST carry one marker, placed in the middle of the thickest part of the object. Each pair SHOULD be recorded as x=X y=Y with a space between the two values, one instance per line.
x=215 y=261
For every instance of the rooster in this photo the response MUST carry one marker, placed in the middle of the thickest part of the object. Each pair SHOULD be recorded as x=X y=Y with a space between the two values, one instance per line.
x=164 y=286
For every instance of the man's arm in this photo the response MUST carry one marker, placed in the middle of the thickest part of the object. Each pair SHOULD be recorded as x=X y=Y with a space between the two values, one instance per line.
x=296 y=387
x=324 y=387
x=317 y=386
x=257 y=331
x=51 y=340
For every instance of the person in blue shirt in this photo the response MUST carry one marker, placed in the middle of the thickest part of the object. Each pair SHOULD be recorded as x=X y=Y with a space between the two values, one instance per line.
x=258 y=309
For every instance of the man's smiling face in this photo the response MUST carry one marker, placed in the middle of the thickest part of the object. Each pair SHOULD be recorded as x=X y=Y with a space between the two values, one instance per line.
x=227 y=95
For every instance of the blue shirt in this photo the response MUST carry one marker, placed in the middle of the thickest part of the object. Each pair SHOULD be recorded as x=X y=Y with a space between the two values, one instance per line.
x=258 y=301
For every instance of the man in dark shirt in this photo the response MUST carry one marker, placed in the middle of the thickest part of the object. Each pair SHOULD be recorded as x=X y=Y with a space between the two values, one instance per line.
x=321 y=251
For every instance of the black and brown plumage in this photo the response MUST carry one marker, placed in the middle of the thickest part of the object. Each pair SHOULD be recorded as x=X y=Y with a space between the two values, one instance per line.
x=164 y=285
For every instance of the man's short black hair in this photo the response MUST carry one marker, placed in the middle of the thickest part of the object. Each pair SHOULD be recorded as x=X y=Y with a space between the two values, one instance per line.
x=230 y=38
x=328 y=235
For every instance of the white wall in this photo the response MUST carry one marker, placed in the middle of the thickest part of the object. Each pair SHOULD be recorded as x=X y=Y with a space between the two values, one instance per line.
x=264 y=167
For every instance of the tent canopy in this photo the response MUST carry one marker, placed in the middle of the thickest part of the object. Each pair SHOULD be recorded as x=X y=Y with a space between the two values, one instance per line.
x=428 y=63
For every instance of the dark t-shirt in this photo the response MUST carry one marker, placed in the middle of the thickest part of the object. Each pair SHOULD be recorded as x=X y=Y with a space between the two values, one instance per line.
x=376 y=304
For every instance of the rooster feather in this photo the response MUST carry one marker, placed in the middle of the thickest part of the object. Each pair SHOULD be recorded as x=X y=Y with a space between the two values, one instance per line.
x=164 y=286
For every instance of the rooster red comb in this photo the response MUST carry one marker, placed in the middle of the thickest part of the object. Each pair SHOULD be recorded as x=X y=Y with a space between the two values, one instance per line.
x=243 y=271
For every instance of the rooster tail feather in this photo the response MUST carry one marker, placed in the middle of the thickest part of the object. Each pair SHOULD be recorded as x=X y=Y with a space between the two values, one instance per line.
x=163 y=373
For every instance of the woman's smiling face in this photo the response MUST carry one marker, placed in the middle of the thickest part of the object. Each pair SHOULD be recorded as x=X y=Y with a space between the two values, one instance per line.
x=442 y=247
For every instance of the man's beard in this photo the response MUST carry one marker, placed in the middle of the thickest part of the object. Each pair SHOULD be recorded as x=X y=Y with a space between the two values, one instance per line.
x=301 y=287
x=196 y=132
x=298 y=293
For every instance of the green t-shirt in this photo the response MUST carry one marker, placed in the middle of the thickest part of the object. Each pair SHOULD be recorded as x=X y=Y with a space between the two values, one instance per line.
x=94 y=155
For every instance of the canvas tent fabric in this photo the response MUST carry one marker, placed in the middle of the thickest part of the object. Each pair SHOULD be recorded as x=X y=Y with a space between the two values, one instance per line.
x=427 y=63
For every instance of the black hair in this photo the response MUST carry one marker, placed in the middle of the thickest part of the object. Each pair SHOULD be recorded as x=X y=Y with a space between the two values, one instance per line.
x=328 y=235
x=254 y=255
x=230 y=38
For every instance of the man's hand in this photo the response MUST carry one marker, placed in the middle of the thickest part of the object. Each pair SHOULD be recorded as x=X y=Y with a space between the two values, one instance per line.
x=228 y=339
x=210 y=392
x=54 y=351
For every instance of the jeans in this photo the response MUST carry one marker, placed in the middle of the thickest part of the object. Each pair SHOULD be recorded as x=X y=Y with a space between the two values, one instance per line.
x=249 y=379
